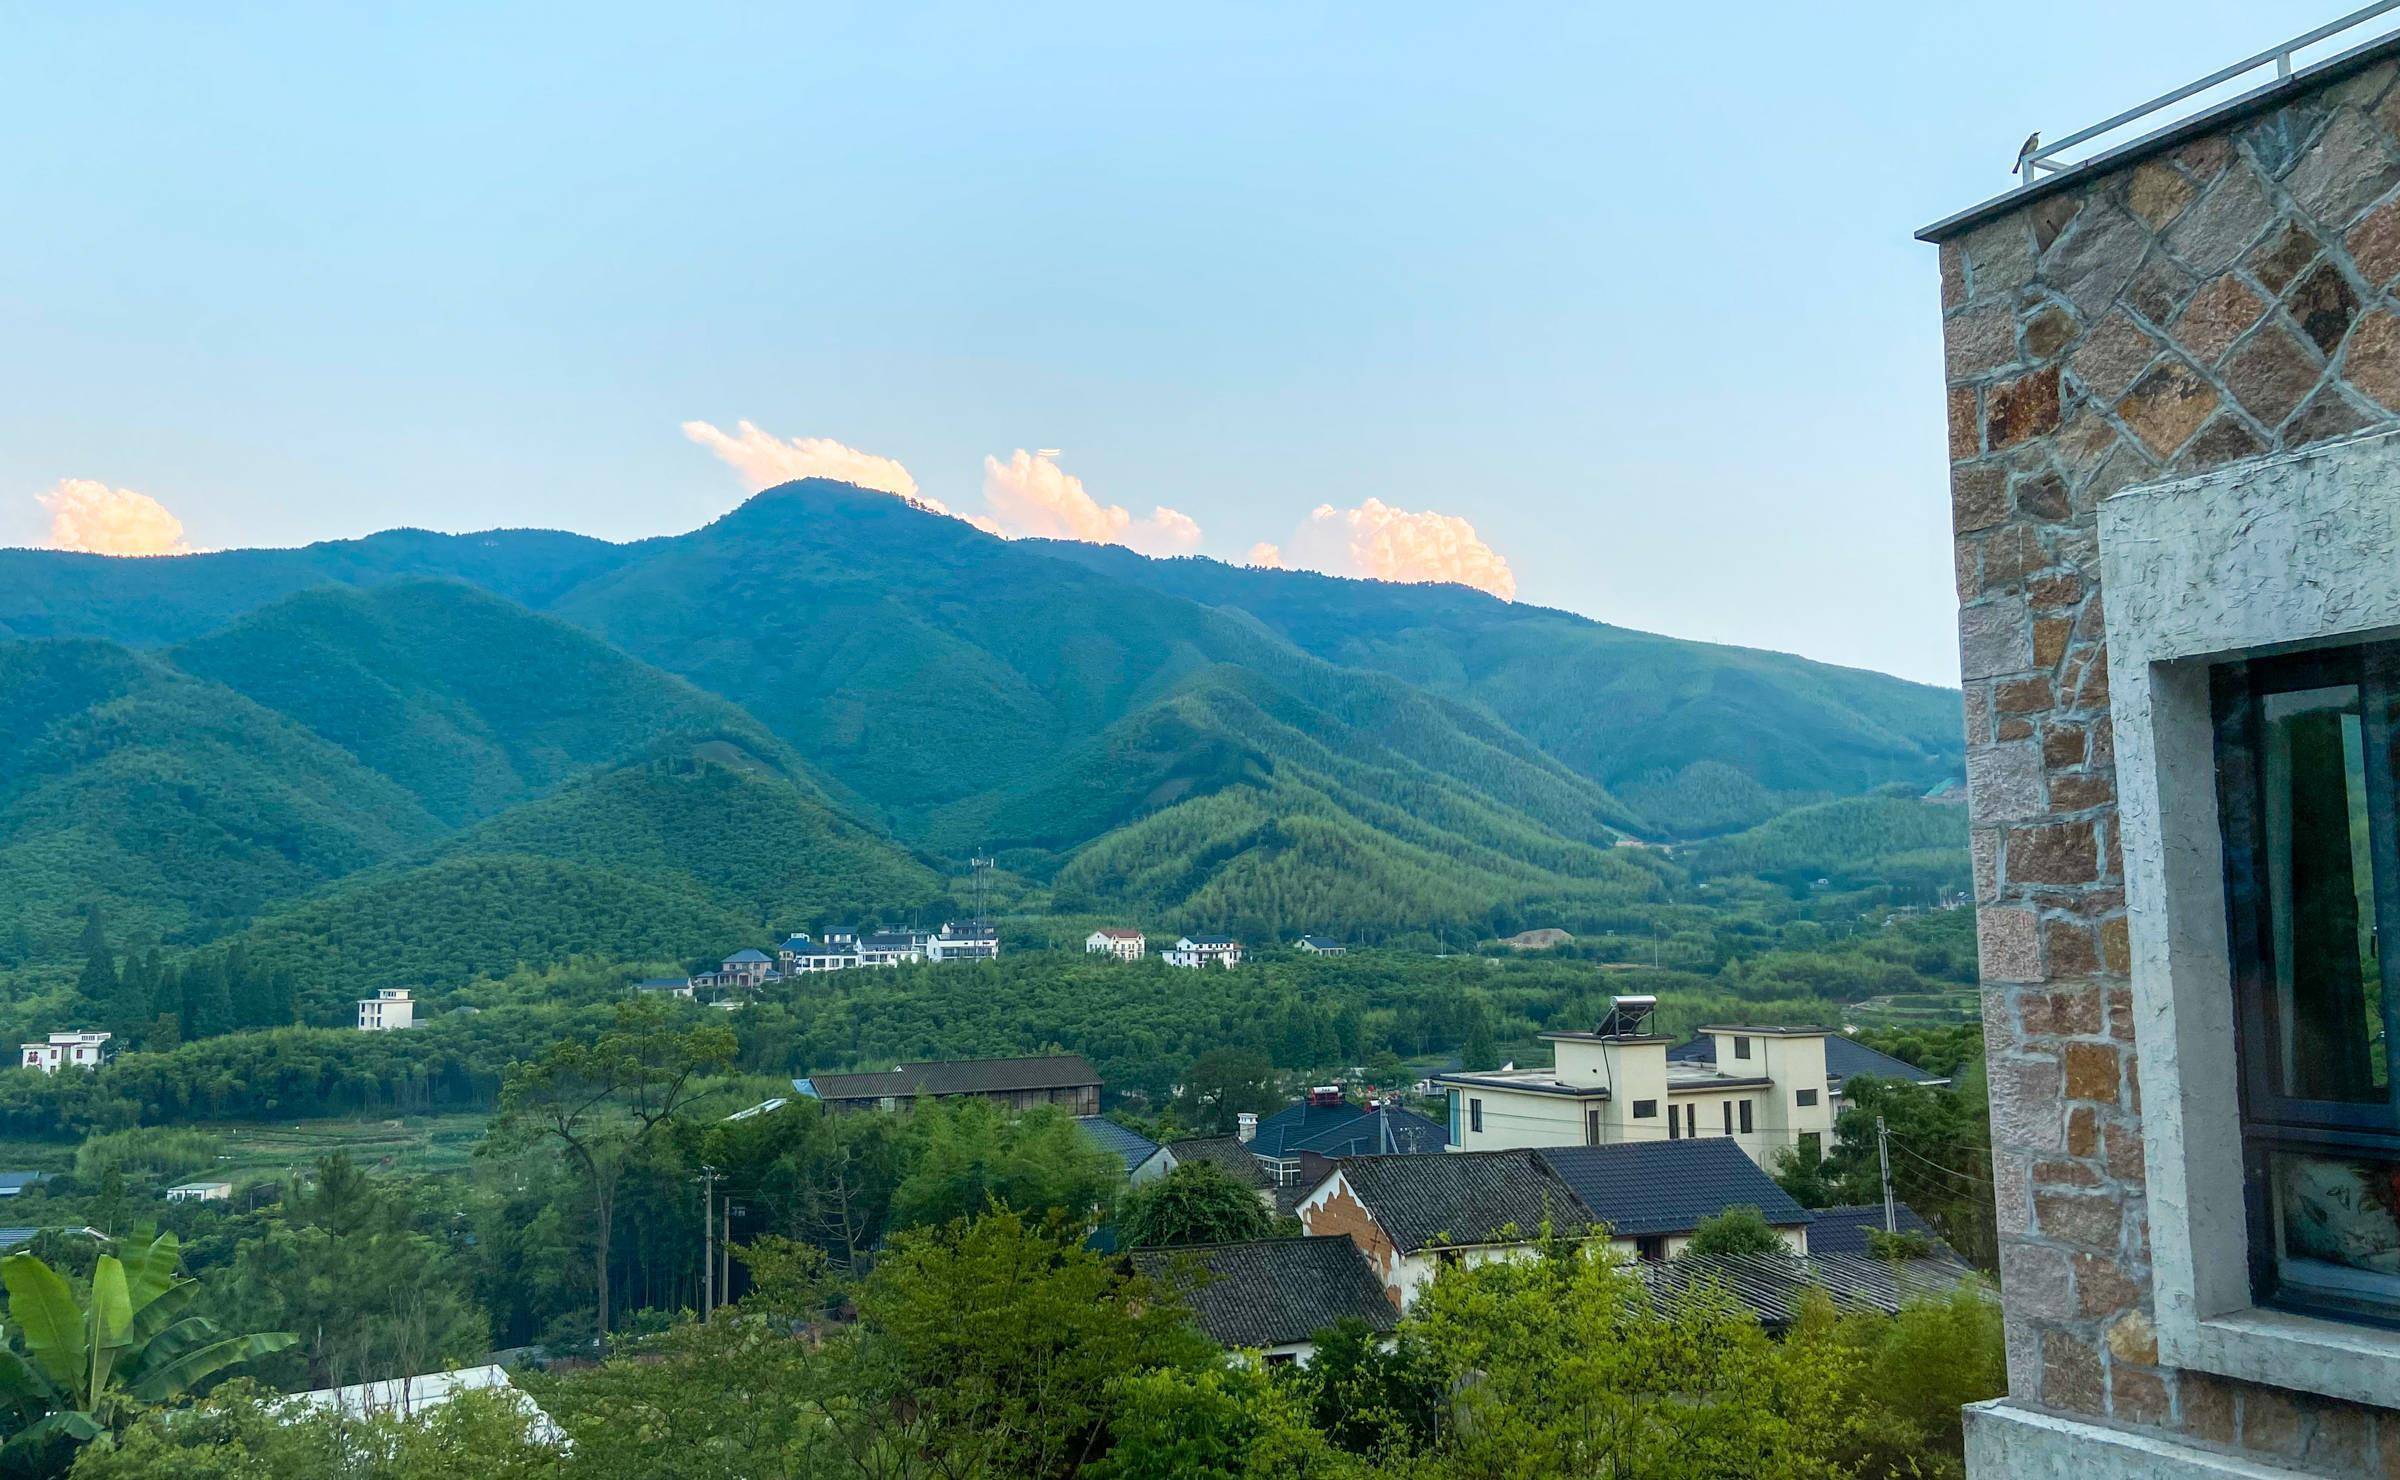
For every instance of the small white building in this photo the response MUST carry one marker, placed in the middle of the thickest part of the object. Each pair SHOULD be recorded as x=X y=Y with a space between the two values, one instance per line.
x=71 y=1050
x=1125 y=945
x=1320 y=945
x=964 y=940
x=893 y=947
x=820 y=956
x=1205 y=950
x=389 y=1009
x=201 y=1192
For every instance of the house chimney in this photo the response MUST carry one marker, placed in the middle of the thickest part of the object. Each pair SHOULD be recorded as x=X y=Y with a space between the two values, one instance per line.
x=1245 y=1127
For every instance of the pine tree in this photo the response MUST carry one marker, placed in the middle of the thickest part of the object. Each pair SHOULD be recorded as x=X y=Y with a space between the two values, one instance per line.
x=97 y=987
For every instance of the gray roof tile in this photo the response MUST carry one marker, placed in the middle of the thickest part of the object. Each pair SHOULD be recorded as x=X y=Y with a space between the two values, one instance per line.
x=1269 y=1292
x=1639 y=1188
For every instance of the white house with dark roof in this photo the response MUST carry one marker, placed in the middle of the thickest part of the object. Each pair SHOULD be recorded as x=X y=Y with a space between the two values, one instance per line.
x=964 y=940
x=1320 y=945
x=1766 y=1090
x=893 y=947
x=1205 y=950
x=814 y=957
x=1125 y=945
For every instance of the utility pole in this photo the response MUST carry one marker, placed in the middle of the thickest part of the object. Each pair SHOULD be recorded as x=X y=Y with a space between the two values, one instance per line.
x=725 y=1252
x=1883 y=1155
x=708 y=1242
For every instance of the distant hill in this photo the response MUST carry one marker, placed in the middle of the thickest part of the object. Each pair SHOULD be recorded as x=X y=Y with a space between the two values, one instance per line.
x=461 y=749
x=1698 y=736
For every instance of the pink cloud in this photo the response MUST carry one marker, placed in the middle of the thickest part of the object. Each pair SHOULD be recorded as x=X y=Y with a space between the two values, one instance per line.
x=88 y=515
x=1030 y=494
x=1388 y=544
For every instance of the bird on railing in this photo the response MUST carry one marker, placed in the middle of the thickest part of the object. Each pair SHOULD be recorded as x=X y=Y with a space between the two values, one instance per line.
x=2033 y=142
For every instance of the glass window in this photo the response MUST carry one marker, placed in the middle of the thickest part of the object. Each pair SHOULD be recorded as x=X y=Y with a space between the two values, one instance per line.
x=1475 y=1115
x=1745 y=1117
x=2305 y=773
x=1674 y=1125
x=1645 y=1109
x=1728 y=1104
x=1741 y=1048
x=1805 y=1097
x=1591 y=1127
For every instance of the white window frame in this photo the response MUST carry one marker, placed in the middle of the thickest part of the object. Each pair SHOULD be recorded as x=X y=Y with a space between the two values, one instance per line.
x=2275 y=554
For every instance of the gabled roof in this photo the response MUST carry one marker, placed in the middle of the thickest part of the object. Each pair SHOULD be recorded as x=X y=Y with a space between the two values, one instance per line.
x=956 y=1077
x=1467 y=1197
x=1271 y=1292
x=1321 y=942
x=1208 y=940
x=1114 y=934
x=1771 y=1285
x=1227 y=1154
x=19 y=1181
x=748 y=956
x=1346 y=1130
x=1641 y=1188
x=1843 y=1230
x=1129 y=1146
x=1844 y=1056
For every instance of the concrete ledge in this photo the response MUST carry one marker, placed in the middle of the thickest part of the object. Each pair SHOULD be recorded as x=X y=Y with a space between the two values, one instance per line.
x=2008 y=1442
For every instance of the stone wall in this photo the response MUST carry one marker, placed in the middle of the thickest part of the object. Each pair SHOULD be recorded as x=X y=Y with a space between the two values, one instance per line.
x=2225 y=297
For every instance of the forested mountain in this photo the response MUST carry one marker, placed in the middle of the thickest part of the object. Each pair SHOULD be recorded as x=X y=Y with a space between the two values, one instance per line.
x=1698 y=736
x=521 y=740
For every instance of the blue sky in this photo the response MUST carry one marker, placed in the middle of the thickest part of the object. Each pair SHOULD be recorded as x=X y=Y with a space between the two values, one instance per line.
x=1630 y=291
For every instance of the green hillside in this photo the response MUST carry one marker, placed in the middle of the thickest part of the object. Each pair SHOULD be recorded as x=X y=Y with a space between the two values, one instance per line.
x=176 y=806
x=1674 y=728
x=674 y=858
x=470 y=702
x=1898 y=840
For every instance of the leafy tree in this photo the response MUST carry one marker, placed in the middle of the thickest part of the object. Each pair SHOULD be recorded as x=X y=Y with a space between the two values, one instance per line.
x=80 y=1365
x=1741 y=1229
x=371 y=1297
x=1197 y=1203
x=243 y=1431
x=602 y=1104
x=1371 y=1396
x=98 y=985
x=1480 y=1050
x=1224 y=1082
x=969 y=1155
x=1234 y=1422
x=1008 y=1334
x=1562 y=1365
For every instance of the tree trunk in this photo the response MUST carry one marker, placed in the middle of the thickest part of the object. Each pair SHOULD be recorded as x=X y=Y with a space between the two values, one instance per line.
x=604 y=1200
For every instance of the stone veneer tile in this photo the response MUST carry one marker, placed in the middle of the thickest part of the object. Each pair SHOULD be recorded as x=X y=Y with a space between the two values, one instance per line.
x=2048 y=331
x=2212 y=235
x=2328 y=416
x=2323 y=305
x=1992 y=639
x=2271 y=375
x=2283 y=256
x=2166 y=406
x=2373 y=363
x=2092 y=263
x=2072 y=1378
x=2019 y=410
x=2374 y=244
x=2218 y=315
x=2008 y=946
x=2112 y=354
x=2158 y=192
x=1979 y=340
x=2346 y=169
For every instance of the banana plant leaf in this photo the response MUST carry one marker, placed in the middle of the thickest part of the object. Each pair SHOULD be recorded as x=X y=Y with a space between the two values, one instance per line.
x=44 y=1308
x=112 y=1320
x=165 y=1381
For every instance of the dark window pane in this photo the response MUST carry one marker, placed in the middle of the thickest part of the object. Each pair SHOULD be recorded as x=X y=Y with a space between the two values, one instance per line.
x=2320 y=879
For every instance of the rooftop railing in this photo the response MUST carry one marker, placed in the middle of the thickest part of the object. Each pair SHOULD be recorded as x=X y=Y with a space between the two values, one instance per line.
x=2044 y=159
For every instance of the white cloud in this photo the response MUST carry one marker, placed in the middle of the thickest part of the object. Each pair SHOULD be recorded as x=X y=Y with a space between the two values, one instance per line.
x=1031 y=495
x=90 y=516
x=765 y=460
x=1388 y=544
x=1265 y=556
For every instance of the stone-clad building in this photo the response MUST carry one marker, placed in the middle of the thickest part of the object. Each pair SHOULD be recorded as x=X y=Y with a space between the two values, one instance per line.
x=2173 y=379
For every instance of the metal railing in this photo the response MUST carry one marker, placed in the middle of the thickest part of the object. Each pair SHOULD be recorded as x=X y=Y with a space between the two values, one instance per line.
x=2044 y=158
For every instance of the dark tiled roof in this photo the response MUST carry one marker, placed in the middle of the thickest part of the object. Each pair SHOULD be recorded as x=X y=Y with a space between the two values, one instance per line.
x=1212 y=940
x=893 y=940
x=1469 y=1197
x=1844 y=1057
x=1770 y=1285
x=1321 y=942
x=1131 y=1147
x=957 y=1077
x=1346 y=1130
x=1843 y=1230
x=1640 y=1188
x=747 y=956
x=1269 y=1292
x=1227 y=1154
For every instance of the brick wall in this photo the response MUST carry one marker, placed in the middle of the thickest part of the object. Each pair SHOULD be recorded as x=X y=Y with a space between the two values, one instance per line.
x=2225 y=297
